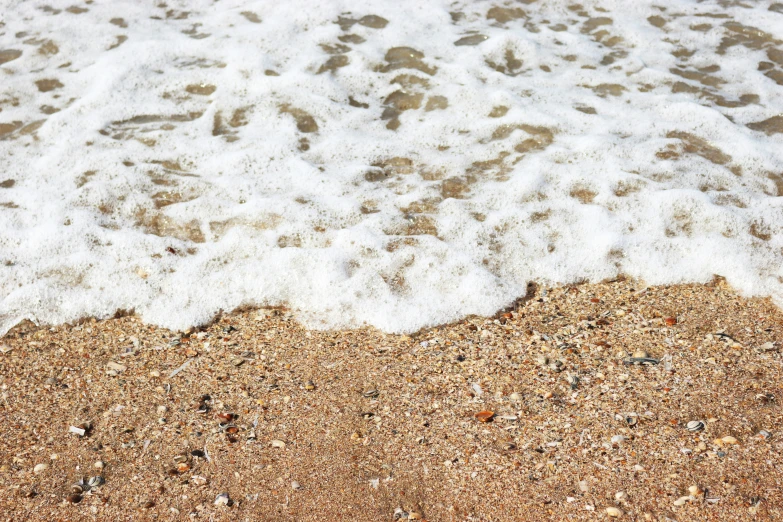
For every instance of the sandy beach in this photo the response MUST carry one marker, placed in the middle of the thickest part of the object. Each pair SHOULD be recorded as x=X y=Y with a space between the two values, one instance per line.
x=548 y=411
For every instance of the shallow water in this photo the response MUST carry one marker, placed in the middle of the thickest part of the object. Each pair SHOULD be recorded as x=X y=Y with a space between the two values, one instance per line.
x=400 y=165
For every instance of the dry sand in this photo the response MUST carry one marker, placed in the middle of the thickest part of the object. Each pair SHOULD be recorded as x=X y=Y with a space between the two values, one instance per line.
x=342 y=451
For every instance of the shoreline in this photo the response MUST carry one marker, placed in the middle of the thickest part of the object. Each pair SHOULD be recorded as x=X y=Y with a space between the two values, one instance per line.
x=358 y=423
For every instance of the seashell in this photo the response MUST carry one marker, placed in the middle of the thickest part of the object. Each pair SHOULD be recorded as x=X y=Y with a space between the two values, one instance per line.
x=631 y=420
x=99 y=465
x=78 y=488
x=96 y=481
x=695 y=491
x=509 y=446
x=485 y=416
x=40 y=468
x=641 y=361
x=309 y=386
x=276 y=443
x=202 y=408
x=182 y=467
x=695 y=425
x=541 y=360
x=74 y=498
x=670 y=321
x=226 y=417
x=370 y=394
x=223 y=500
x=237 y=361
x=573 y=381
x=614 y=512
x=400 y=514
x=640 y=354
x=232 y=429
x=729 y=440
x=764 y=434
x=368 y=415
x=413 y=515
x=295 y=486
x=180 y=458
x=617 y=439
x=681 y=501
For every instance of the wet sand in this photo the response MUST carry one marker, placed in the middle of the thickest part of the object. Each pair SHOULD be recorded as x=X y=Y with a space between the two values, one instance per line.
x=356 y=424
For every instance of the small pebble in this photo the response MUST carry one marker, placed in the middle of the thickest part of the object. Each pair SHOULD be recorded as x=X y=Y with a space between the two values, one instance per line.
x=764 y=434
x=99 y=465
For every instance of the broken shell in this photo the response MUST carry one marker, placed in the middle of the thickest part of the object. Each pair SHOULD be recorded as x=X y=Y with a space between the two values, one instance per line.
x=223 y=500
x=182 y=467
x=180 y=458
x=631 y=420
x=764 y=434
x=40 y=468
x=681 y=501
x=276 y=443
x=309 y=385
x=231 y=429
x=413 y=515
x=640 y=354
x=295 y=486
x=238 y=361
x=573 y=381
x=695 y=425
x=99 y=465
x=74 y=498
x=96 y=481
x=202 y=408
x=695 y=491
x=78 y=488
x=509 y=446
x=729 y=440
x=614 y=512
x=400 y=514
x=370 y=394
x=226 y=417
x=485 y=416
x=541 y=360
x=670 y=321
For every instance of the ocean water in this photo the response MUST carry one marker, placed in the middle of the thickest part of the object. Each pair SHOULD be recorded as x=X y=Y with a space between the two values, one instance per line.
x=398 y=164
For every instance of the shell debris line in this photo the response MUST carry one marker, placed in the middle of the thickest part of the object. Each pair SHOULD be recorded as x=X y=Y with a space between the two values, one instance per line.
x=483 y=419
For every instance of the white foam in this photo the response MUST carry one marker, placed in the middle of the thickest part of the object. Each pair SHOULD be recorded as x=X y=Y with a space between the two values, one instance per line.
x=658 y=175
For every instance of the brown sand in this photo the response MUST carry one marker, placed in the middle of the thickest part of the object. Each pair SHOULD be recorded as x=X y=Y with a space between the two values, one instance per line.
x=549 y=453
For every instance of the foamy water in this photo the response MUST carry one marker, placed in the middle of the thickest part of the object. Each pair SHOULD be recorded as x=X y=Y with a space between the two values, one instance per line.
x=398 y=164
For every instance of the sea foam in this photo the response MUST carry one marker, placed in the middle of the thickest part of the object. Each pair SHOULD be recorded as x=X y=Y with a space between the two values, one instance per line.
x=398 y=164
